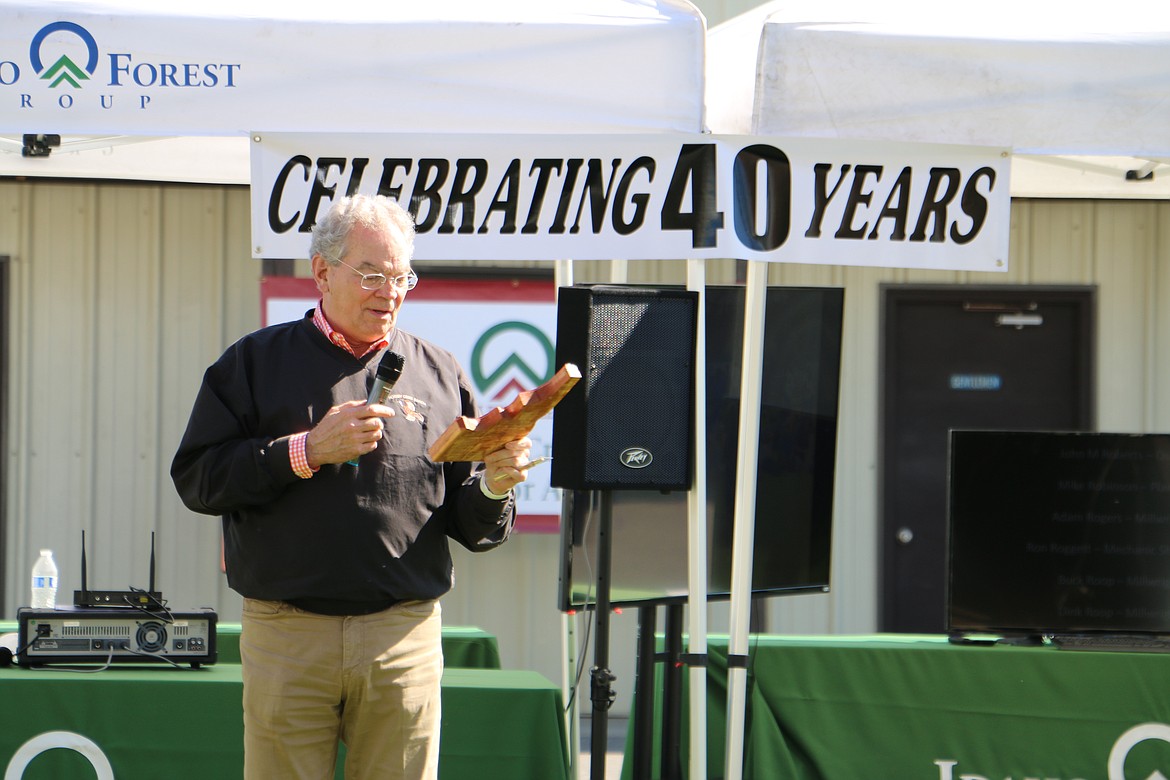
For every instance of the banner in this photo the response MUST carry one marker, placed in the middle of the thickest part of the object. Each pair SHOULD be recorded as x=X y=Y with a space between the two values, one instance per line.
x=652 y=196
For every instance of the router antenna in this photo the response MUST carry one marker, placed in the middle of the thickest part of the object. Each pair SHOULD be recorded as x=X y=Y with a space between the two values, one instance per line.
x=150 y=589
x=84 y=580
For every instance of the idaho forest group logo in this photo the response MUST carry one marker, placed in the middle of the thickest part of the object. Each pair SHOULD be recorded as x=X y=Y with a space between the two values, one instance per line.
x=64 y=69
x=1118 y=765
x=65 y=56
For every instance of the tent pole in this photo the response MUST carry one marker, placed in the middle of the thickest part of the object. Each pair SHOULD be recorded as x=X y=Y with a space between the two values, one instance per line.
x=745 y=513
x=563 y=277
x=619 y=271
x=562 y=273
x=696 y=657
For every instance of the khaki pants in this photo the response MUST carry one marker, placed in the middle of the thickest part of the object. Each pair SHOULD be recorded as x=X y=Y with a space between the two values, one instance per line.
x=372 y=681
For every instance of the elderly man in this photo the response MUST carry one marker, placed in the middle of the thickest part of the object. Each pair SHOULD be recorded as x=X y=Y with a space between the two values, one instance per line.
x=335 y=521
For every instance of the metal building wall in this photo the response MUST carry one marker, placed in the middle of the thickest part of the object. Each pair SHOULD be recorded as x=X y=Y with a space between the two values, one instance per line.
x=121 y=294
x=1119 y=246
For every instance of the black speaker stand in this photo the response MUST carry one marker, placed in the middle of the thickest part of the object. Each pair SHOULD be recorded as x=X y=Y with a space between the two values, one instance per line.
x=601 y=678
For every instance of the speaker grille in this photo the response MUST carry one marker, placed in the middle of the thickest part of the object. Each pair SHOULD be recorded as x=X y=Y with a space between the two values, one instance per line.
x=633 y=429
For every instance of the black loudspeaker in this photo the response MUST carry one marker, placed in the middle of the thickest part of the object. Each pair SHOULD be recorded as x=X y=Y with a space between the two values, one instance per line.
x=629 y=422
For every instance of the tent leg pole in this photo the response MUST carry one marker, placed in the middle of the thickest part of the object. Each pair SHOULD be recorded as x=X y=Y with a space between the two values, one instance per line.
x=601 y=685
x=743 y=535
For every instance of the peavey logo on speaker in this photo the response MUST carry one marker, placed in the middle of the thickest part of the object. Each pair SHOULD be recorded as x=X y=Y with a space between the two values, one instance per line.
x=636 y=457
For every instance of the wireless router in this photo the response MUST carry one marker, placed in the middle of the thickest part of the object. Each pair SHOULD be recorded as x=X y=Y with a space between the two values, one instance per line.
x=116 y=626
x=116 y=598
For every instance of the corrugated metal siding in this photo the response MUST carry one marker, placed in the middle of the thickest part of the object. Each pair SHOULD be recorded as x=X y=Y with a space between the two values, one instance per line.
x=122 y=294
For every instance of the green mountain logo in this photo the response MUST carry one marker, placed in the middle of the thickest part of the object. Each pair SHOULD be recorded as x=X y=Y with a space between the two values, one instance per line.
x=485 y=377
x=64 y=69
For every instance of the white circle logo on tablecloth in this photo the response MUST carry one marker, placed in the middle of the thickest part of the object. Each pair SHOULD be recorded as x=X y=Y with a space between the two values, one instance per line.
x=51 y=740
x=1127 y=741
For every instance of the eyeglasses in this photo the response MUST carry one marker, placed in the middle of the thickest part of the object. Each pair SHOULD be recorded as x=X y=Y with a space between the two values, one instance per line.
x=375 y=281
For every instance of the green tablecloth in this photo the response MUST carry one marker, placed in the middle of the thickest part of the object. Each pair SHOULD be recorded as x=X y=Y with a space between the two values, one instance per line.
x=464 y=647
x=161 y=722
x=895 y=706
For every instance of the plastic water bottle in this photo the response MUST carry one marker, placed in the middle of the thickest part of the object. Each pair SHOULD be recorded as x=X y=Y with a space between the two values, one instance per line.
x=44 y=582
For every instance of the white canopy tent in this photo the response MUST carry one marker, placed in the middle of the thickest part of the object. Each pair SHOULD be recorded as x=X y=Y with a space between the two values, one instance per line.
x=162 y=92
x=1080 y=94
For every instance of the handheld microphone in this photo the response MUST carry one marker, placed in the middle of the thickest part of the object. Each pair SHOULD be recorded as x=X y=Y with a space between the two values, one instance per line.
x=389 y=370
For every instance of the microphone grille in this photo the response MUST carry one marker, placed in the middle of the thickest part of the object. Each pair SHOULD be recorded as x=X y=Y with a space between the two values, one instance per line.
x=390 y=367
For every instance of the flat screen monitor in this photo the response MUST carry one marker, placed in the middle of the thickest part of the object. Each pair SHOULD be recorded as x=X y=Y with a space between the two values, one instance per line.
x=1058 y=533
x=797 y=457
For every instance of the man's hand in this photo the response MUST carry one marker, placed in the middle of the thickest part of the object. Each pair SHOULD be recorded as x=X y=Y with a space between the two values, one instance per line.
x=503 y=469
x=347 y=431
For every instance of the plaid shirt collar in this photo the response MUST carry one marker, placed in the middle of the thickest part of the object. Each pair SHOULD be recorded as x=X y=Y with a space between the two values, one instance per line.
x=340 y=340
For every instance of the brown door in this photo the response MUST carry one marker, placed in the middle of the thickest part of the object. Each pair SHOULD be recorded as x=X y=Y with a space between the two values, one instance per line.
x=974 y=357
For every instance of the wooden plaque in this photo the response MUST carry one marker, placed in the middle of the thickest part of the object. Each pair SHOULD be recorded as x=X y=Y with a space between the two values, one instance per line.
x=473 y=439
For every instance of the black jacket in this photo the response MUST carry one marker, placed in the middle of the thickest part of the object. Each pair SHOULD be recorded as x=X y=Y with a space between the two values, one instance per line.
x=360 y=534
